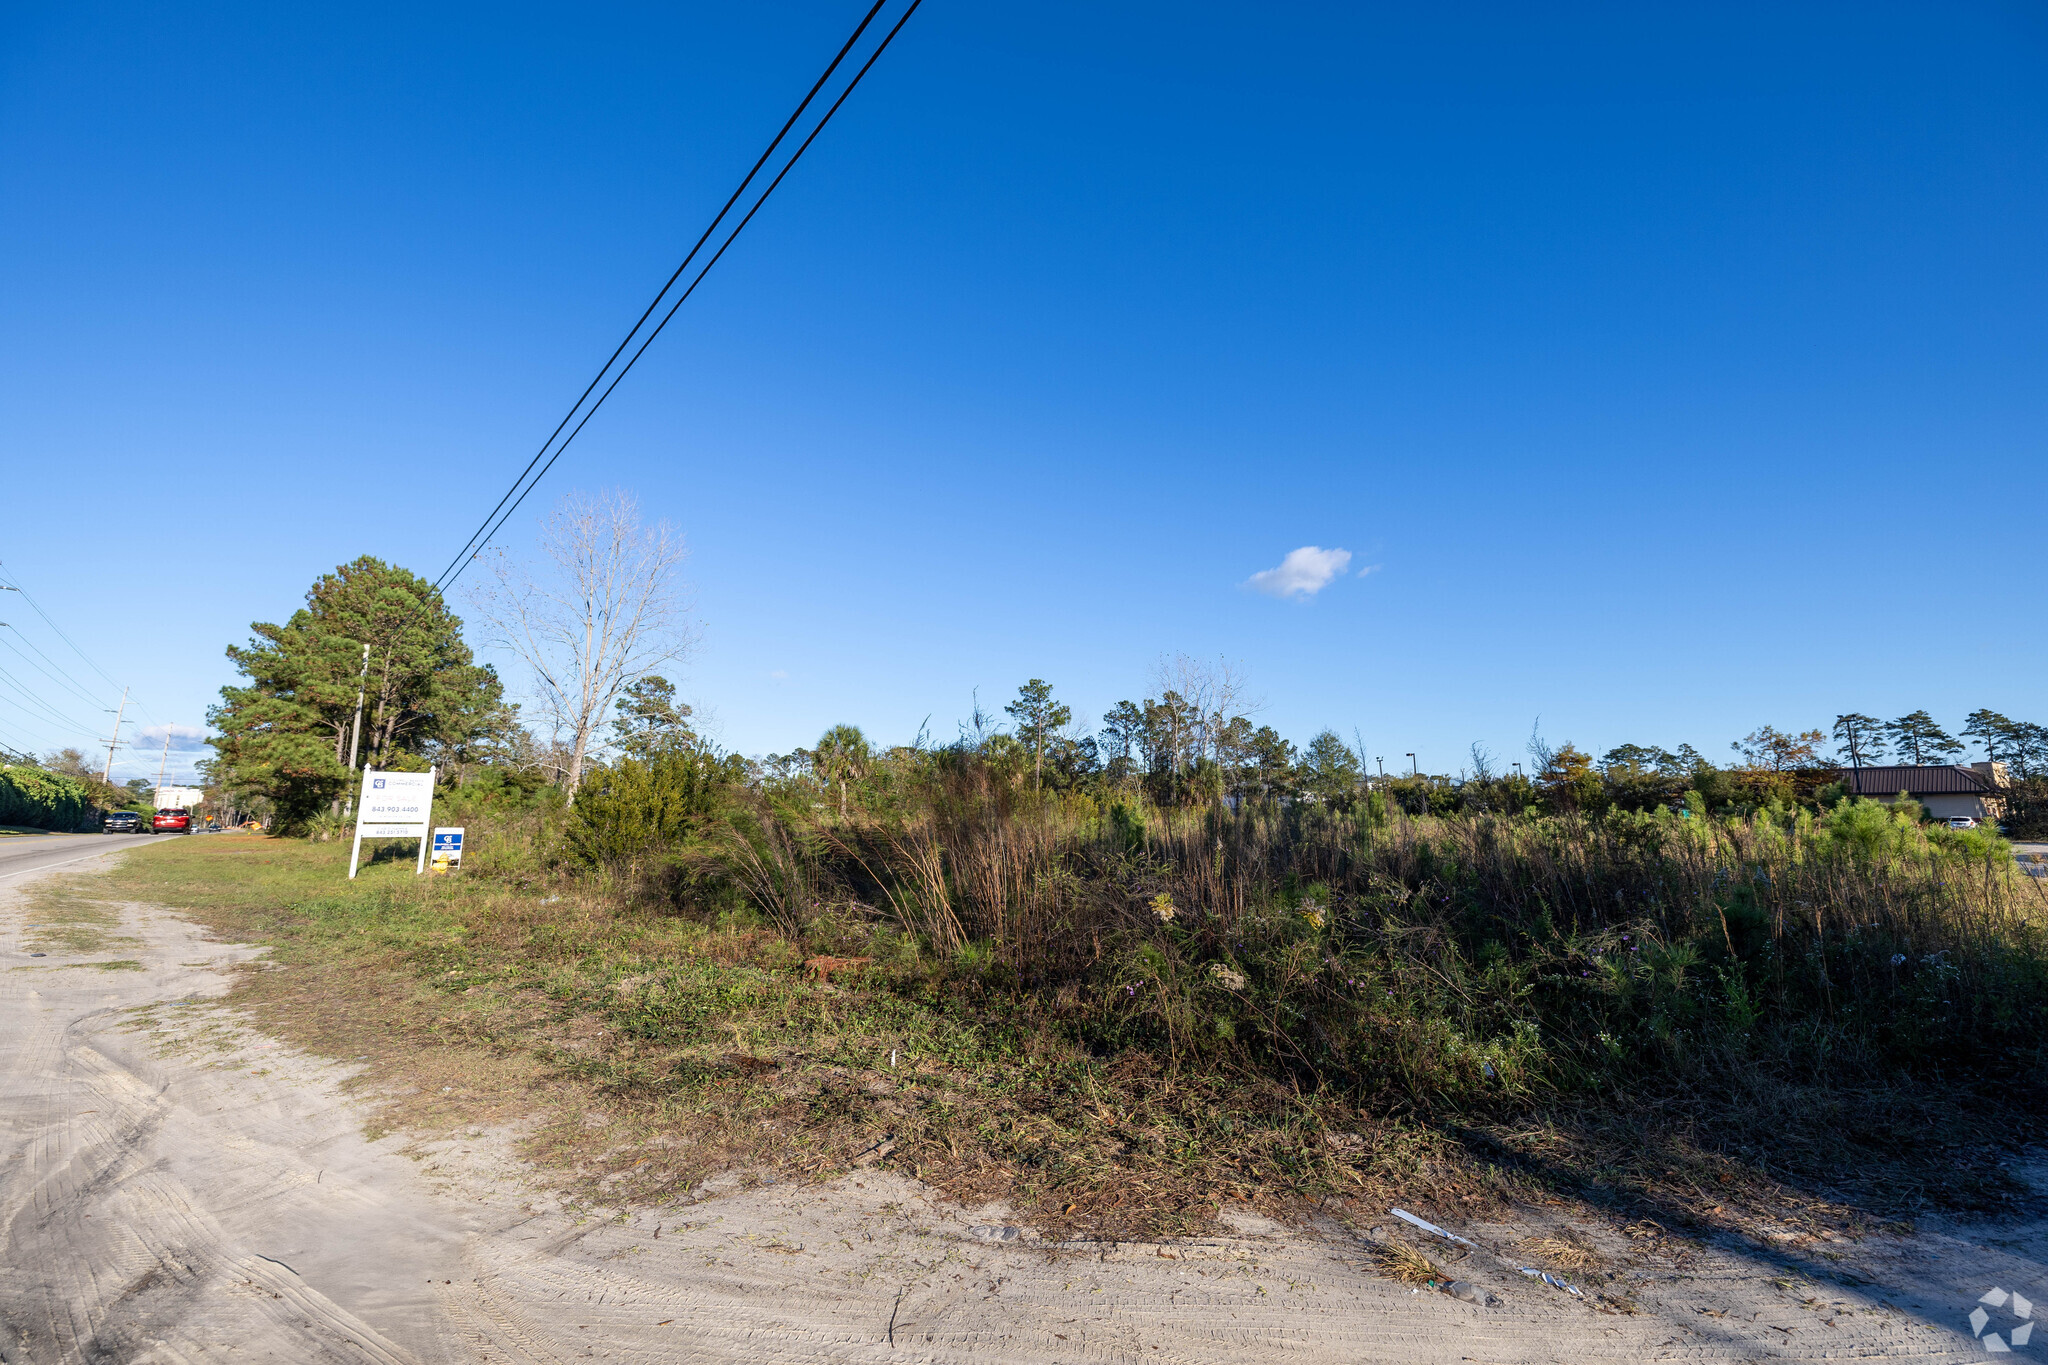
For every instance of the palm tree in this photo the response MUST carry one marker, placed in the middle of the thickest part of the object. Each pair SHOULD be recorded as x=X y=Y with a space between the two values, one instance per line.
x=841 y=755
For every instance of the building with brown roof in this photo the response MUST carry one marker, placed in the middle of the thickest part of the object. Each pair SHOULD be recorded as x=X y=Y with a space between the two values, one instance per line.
x=1945 y=790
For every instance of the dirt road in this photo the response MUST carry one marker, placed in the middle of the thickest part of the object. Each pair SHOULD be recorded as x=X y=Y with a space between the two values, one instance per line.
x=176 y=1188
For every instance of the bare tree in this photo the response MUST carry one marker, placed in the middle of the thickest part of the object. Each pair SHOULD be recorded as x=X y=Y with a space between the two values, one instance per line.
x=1542 y=754
x=606 y=609
x=1213 y=694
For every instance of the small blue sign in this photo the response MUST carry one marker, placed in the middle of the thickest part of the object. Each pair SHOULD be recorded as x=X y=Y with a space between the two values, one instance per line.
x=447 y=850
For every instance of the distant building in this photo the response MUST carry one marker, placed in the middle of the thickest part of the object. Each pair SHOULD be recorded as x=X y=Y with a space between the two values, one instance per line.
x=1946 y=790
x=179 y=798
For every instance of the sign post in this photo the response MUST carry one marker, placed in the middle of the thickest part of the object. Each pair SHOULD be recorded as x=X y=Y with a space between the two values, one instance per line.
x=447 y=850
x=394 y=806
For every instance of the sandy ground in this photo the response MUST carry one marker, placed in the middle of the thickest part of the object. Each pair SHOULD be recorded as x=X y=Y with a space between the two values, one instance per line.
x=177 y=1188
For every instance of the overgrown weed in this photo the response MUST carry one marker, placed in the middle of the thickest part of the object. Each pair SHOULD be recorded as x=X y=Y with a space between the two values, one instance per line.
x=1122 y=1020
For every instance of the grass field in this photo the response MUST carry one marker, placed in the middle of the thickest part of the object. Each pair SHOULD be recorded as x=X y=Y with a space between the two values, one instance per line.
x=640 y=1051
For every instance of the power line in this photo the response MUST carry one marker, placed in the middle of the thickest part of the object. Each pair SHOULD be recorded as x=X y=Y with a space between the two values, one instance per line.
x=669 y=284
x=78 y=686
x=499 y=515
x=50 y=714
x=68 y=683
x=38 y=608
x=8 y=744
x=42 y=720
x=523 y=485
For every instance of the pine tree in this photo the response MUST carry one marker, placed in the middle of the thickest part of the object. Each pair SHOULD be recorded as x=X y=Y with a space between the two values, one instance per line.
x=286 y=734
x=1918 y=739
x=649 y=720
x=1861 y=737
x=1330 y=770
x=1039 y=718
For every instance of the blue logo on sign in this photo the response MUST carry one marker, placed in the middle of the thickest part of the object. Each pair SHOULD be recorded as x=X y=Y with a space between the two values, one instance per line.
x=377 y=783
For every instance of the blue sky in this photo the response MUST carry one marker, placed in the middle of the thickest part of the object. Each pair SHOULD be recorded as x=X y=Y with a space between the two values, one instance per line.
x=1674 y=371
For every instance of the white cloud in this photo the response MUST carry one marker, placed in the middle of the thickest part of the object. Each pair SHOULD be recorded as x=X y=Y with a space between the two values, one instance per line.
x=1303 y=573
x=184 y=738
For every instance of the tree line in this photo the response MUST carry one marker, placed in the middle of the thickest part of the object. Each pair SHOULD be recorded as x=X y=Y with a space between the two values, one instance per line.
x=374 y=671
x=374 y=668
x=1188 y=748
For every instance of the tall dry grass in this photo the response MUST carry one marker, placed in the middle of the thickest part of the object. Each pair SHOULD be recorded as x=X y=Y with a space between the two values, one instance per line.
x=1468 y=960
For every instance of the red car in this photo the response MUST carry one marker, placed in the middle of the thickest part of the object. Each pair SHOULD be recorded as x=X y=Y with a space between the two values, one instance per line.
x=172 y=821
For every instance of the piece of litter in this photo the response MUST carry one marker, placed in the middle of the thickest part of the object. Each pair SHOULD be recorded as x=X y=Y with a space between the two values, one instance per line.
x=1470 y=1293
x=1428 y=1226
x=1553 y=1281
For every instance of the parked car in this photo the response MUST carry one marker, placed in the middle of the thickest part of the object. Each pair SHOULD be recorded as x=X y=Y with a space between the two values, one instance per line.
x=124 y=822
x=1962 y=822
x=173 y=820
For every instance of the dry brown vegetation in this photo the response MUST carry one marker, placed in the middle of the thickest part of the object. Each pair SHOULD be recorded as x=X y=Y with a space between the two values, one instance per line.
x=1567 y=1252
x=1404 y=1264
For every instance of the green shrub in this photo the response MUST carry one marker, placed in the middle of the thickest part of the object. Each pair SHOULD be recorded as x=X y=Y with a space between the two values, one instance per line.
x=1871 y=831
x=31 y=796
x=639 y=809
x=1128 y=824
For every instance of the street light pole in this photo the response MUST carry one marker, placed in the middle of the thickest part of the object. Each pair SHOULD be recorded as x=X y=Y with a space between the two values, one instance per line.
x=1414 y=768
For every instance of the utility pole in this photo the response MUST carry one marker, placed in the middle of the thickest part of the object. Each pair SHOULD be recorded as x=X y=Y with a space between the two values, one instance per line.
x=355 y=742
x=162 y=763
x=107 y=774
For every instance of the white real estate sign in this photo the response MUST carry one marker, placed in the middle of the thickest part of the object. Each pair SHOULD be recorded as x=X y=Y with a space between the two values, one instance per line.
x=393 y=806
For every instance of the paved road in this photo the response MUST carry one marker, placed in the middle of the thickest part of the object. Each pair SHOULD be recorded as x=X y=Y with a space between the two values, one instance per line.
x=33 y=852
